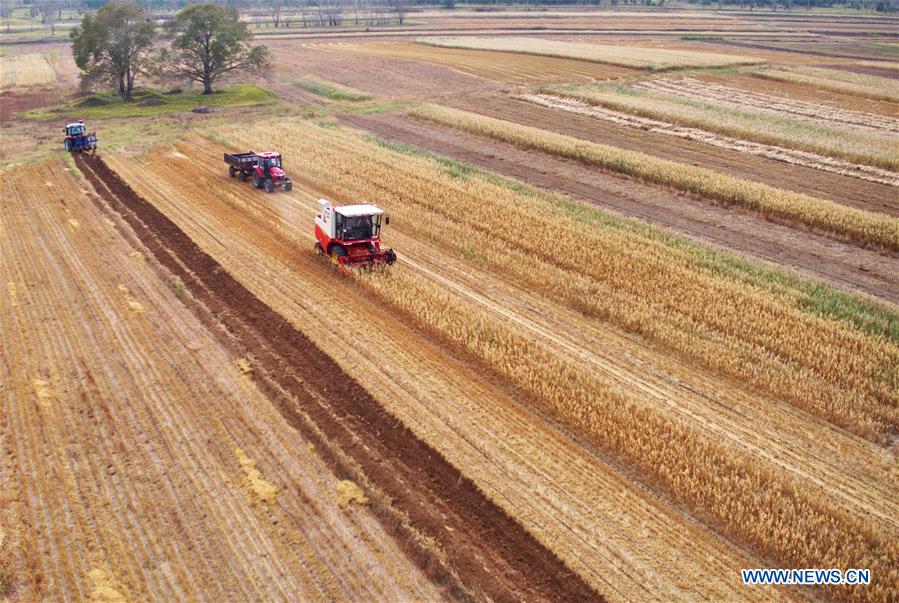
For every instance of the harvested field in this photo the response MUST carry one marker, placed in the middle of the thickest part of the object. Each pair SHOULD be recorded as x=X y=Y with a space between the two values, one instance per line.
x=457 y=536
x=405 y=79
x=625 y=350
x=126 y=472
x=699 y=90
x=502 y=299
x=836 y=80
x=654 y=59
x=843 y=265
x=573 y=104
x=863 y=146
x=25 y=70
x=803 y=92
x=496 y=66
x=863 y=226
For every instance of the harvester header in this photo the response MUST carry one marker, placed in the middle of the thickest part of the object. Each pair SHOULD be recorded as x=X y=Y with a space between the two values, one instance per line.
x=351 y=234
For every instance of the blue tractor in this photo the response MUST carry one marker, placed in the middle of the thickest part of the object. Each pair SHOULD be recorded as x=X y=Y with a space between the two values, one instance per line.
x=78 y=139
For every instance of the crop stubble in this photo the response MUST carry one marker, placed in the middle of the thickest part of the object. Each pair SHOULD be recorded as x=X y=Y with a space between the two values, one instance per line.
x=340 y=178
x=125 y=470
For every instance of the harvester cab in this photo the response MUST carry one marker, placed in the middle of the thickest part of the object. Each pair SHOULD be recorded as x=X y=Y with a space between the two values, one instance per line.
x=77 y=138
x=351 y=234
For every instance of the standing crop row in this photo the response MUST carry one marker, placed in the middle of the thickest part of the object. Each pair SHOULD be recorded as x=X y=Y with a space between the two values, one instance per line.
x=864 y=226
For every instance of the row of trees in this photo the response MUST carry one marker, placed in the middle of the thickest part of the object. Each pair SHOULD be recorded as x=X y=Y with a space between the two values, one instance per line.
x=202 y=43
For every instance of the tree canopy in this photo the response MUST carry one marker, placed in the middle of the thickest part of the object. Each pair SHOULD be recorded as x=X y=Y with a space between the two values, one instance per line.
x=111 y=46
x=209 y=42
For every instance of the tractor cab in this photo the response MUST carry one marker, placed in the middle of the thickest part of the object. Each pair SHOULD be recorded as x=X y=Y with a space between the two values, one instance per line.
x=267 y=161
x=351 y=234
x=73 y=130
x=77 y=138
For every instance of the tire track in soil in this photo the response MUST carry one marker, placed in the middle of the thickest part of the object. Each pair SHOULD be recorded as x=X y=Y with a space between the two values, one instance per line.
x=491 y=554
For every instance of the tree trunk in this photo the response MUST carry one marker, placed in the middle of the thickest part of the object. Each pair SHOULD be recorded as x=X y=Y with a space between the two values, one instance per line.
x=207 y=86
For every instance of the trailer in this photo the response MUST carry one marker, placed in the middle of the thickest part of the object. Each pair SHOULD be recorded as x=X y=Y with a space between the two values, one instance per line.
x=265 y=169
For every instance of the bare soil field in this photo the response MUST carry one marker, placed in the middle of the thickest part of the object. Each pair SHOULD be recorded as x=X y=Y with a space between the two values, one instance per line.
x=496 y=66
x=395 y=78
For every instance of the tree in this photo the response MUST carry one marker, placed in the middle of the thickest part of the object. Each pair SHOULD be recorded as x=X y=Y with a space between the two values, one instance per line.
x=208 y=42
x=112 y=45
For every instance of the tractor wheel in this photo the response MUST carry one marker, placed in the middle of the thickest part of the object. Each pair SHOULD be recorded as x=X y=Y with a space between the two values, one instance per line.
x=243 y=176
x=337 y=252
x=232 y=171
x=256 y=181
x=288 y=186
x=318 y=249
x=68 y=145
x=268 y=185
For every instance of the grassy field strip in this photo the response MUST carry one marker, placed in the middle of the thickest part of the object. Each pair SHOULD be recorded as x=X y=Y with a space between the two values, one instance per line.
x=158 y=478
x=849 y=143
x=25 y=70
x=862 y=226
x=820 y=162
x=651 y=59
x=746 y=499
x=332 y=90
x=700 y=90
x=834 y=80
x=601 y=523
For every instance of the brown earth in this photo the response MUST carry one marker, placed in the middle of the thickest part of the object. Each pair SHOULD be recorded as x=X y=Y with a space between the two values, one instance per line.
x=491 y=553
x=871 y=196
x=841 y=264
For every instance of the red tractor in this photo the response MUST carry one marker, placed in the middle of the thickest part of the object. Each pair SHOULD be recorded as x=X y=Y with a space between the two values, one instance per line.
x=265 y=169
x=351 y=234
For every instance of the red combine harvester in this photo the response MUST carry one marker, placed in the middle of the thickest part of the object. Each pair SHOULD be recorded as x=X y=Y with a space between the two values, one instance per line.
x=265 y=168
x=351 y=234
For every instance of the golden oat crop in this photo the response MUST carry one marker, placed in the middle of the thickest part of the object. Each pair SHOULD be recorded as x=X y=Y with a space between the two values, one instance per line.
x=861 y=225
x=653 y=59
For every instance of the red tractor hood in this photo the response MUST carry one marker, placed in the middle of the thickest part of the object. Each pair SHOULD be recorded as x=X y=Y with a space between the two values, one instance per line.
x=277 y=173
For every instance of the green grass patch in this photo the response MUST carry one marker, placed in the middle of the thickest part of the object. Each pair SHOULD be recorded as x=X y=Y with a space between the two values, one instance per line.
x=332 y=90
x=815 y=297
x=701 y=38
x=147 y=102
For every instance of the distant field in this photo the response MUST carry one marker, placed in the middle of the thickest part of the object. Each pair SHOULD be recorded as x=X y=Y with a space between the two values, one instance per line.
x=846 y=82
x=498 y=66
x=651 y=59
x=861 y=225
x=691 y=105
x=25 y=70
